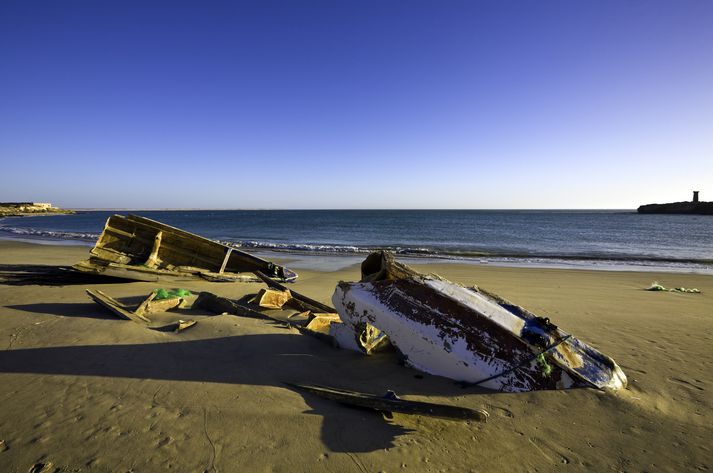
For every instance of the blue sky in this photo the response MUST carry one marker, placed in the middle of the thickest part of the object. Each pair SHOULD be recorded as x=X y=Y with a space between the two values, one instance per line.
x=356 y=104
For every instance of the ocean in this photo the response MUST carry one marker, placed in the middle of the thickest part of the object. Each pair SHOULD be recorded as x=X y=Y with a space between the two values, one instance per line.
x=594 y=239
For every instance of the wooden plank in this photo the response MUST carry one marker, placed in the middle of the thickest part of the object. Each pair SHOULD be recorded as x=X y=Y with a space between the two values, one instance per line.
x=117 y=308
x=152 y=260
x=304 y=302
x=225 y=261
x=220 y=305
x=143 y=307
x=392 y=403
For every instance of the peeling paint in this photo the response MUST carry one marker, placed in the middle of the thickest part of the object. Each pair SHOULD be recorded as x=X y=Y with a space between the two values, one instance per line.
x=467 y=334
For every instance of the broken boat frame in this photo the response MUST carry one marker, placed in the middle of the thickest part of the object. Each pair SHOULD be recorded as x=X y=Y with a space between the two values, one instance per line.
x=142 y=249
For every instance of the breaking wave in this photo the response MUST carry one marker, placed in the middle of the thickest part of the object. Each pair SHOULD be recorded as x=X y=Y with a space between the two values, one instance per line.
x=589 y=260
x=327 y=248
x=47 y=234
x=643 y=262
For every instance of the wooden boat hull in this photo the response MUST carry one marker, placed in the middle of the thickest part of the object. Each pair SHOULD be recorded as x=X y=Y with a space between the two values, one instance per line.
x=139 y=248
x=469 y=335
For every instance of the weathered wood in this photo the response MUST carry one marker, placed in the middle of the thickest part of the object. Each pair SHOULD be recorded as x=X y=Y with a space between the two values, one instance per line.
x=300 y=301
x=390 y=402
x=220 y=305
x=175 y=327
x=152 y=260
x=225 y=260
x=146 y=245
x=164 y=305
x=143 y=307
x=116 y=307
x=232 y=277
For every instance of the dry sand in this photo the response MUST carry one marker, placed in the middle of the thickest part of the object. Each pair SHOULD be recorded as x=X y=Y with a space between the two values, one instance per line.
x=85 y=391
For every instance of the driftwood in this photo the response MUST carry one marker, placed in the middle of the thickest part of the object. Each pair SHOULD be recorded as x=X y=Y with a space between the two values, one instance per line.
x=390 y=402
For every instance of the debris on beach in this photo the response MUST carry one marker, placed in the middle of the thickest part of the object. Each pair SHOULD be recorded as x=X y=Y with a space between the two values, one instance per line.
x=272 y=298
x=306 y=322
x=117 y=308
x=223 y=305
x=655 y=286
x=160 y=300
x=364 y=338
x=176 y=327
x=390 y=402
x=467 y=334
x=298 y=300
x=142 y=249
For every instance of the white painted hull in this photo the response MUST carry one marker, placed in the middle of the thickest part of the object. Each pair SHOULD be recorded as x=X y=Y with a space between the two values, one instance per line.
x=467 y=335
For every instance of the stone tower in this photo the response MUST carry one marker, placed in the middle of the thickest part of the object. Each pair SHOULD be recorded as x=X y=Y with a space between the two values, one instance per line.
x=695 y=196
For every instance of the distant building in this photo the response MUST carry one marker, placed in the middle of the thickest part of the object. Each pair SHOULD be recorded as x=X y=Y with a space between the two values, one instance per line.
x=27 y=206
x=695 y=207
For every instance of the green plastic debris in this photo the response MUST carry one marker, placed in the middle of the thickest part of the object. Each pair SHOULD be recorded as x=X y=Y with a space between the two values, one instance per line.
x=171 y=293
x=658 y=287
x=546 y=367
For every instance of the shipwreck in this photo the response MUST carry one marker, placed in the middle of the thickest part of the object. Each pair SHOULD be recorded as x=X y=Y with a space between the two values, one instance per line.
x=142 y=249
x=466 y=334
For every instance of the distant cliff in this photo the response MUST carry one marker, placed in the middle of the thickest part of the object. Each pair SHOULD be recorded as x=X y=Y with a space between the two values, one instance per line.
x=20 y=209
x=696 y=208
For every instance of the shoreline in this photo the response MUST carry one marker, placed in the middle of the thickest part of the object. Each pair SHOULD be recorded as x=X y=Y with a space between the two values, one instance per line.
x=337 y=260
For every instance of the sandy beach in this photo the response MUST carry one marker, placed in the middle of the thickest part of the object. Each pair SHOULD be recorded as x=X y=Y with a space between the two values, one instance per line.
x=82 y=390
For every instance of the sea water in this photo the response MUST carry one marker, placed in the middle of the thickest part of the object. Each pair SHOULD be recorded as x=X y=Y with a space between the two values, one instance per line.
x=615 y=239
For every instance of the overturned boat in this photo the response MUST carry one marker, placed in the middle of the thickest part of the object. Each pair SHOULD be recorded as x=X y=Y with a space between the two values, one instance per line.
x=468 y=334
x=142 y=249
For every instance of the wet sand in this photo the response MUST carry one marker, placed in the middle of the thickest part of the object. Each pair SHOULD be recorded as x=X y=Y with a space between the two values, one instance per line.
x=85 y=391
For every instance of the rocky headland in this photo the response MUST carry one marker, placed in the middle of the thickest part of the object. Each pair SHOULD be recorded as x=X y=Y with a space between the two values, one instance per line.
x=22 y=209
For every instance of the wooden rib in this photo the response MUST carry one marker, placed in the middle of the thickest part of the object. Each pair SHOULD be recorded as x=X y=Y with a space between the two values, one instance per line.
x=225 y=260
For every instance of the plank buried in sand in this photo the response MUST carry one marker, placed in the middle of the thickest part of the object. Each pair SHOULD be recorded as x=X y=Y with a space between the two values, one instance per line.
x=142 y=249
x=221 y=305
x=116 y=307
x=390 y=402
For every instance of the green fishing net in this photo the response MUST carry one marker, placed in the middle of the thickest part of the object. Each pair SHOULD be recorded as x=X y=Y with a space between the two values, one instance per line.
x=171 y=293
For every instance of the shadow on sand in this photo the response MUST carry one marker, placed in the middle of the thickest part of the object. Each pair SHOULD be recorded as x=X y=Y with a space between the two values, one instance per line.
x=48 y=275
x=88 y=310
x=267 y=360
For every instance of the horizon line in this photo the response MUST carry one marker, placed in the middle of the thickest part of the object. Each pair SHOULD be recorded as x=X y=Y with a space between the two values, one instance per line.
x=178 y=209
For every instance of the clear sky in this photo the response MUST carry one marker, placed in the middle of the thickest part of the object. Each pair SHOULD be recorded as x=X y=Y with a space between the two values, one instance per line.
x=356 y=104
